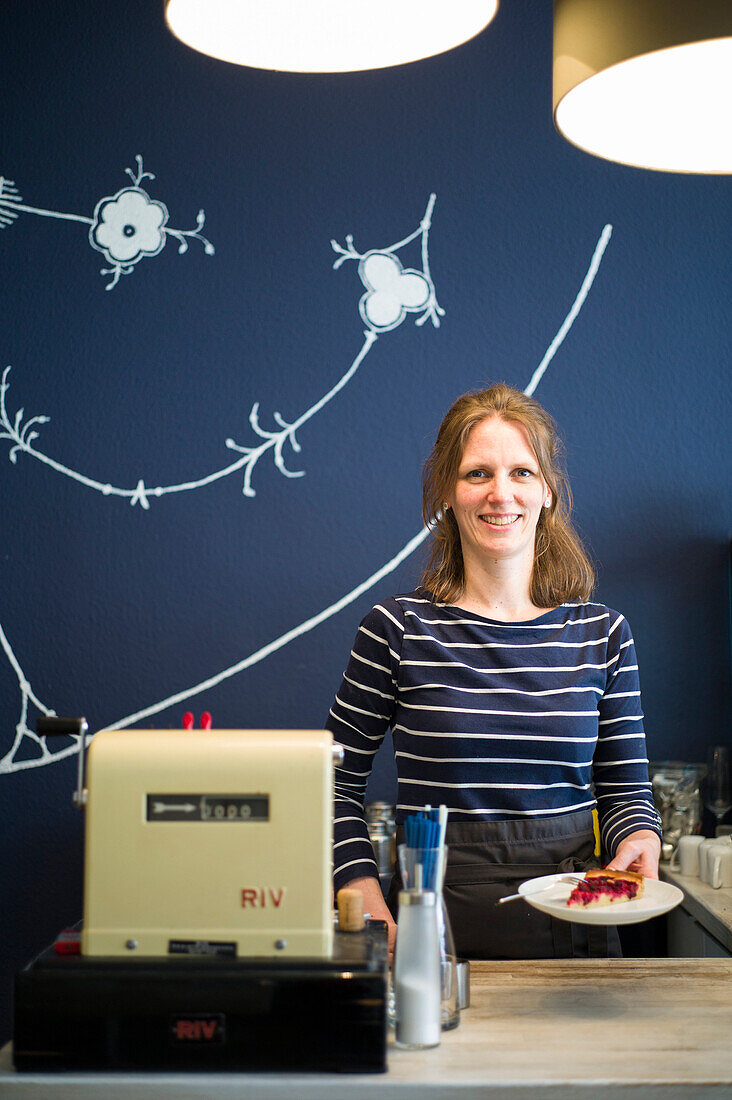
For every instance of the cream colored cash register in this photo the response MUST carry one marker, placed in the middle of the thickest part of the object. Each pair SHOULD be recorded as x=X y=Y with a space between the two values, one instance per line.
x=207 y=939
x=209 y=840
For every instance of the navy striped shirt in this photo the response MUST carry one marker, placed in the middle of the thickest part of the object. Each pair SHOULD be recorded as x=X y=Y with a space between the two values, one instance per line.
x=495 y=720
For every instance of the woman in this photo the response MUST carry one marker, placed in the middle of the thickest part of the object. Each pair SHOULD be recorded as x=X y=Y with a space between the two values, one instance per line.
x=511 y=698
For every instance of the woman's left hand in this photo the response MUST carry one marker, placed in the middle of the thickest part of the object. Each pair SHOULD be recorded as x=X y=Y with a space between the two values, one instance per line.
x=638 y=852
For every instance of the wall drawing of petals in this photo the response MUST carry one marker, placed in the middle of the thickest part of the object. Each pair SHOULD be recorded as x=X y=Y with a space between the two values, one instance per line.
x=128 y=226
x=125 y=227
x=392 y=291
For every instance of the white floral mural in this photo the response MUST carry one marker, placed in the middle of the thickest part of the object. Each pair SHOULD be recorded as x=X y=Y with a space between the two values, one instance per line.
x=391 y=309
x=392 y=292
x=125 y=227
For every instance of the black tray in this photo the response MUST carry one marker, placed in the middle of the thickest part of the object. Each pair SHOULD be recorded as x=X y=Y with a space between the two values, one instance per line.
x=206 y=1013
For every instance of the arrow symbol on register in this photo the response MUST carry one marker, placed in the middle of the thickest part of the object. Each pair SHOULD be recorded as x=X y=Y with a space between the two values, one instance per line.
x=180 y=807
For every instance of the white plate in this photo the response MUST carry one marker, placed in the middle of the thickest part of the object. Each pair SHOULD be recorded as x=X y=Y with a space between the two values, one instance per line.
x=659 y=897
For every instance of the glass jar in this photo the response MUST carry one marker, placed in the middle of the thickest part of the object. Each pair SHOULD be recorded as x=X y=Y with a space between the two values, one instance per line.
x=676 y=790
x=432 y=862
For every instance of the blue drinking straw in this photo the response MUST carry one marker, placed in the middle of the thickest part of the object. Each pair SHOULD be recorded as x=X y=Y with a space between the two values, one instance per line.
x=425 y=831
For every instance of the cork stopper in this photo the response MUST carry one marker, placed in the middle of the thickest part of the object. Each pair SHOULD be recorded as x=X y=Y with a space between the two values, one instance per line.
x=350 y=910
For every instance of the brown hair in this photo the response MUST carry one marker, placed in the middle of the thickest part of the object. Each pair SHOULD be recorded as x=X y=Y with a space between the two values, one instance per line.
x=562 y=571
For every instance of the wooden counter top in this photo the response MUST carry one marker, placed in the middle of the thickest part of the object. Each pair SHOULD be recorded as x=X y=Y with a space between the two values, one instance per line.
x=579 y=1029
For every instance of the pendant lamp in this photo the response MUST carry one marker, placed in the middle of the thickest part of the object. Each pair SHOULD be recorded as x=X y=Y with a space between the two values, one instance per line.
x=326 y=35
x=646 y=82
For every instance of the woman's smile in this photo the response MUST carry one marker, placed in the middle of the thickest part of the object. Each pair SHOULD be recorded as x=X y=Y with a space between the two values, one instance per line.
x=499 y=520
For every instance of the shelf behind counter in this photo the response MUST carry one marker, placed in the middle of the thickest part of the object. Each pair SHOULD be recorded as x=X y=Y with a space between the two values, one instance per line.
x=701 y=926
x=584 y=1029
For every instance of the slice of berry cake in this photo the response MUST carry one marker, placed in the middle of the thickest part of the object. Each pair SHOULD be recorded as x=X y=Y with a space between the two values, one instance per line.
x=603 y=887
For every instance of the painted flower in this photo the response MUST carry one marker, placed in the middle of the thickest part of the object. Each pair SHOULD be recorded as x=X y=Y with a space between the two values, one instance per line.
x=128 y=226
x=391 y=291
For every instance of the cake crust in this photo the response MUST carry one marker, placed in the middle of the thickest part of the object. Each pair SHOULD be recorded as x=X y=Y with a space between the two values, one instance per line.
x=619 y=876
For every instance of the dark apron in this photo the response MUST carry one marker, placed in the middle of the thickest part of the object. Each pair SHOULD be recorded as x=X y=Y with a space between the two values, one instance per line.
x=487 y=860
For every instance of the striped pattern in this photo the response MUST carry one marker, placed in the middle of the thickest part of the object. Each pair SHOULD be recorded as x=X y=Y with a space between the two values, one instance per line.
x=496 y=720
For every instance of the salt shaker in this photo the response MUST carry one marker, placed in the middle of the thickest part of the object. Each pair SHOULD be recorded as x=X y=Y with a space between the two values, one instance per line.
x=417 y=984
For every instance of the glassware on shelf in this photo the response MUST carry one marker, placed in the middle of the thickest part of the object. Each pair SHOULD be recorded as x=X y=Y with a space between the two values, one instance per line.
x=717 y=796
x=677 y=795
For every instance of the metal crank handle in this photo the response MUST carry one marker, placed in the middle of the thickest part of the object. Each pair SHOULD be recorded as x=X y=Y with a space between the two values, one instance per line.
x=52 y=726
x=514 y=897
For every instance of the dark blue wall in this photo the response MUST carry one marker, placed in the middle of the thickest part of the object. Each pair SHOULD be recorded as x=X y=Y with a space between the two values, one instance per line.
x=106 y=608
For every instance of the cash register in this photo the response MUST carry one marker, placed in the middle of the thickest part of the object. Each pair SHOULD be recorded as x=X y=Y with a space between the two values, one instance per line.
x=208 y=939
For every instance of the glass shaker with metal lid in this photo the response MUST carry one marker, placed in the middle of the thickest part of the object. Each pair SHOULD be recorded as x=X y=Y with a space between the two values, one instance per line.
x=417 y=971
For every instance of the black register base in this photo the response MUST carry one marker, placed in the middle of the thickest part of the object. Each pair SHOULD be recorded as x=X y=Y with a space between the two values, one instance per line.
x=201 y=1013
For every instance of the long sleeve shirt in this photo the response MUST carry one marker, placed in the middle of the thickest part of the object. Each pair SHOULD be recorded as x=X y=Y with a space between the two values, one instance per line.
x=495 y=720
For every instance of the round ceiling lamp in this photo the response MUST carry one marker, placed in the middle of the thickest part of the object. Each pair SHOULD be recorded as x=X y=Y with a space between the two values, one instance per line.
x=646 y=82
x=326 y=36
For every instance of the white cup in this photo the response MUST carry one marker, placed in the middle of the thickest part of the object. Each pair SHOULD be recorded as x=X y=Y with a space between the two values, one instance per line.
x=705 y=869
x=719 y=858
x=704 y=847
x=686 y=857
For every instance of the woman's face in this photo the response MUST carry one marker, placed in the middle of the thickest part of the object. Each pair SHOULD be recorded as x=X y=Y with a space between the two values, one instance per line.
x=499 y=494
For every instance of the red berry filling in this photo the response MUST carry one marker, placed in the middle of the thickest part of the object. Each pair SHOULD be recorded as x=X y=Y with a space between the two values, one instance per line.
x=602 y=891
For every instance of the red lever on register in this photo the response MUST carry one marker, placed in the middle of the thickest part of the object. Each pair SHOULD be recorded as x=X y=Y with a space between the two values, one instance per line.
x=188 y=720
x=68 y=942
x=206 y=720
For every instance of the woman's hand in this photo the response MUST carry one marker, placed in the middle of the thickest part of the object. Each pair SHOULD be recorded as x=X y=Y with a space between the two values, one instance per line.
x=376 y=907
x=638 y=852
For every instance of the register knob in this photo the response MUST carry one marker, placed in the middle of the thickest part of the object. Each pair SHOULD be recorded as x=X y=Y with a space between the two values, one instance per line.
x=53 y=726
x=350 y=910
